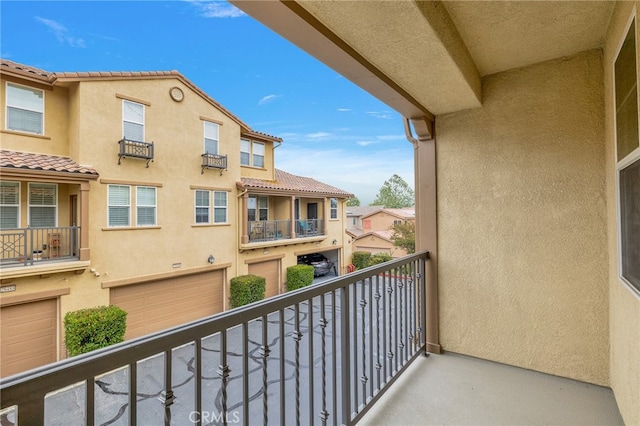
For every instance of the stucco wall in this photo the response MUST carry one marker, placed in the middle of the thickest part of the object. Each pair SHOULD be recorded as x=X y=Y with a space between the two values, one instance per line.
x=624 y=305
x=522 y=221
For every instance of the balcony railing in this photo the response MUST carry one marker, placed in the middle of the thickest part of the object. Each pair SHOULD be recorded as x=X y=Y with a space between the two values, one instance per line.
x=322 y=354
x=269 y=230
x=214 y=161
x=30 y=246
x=309 y=227
x=135 y=149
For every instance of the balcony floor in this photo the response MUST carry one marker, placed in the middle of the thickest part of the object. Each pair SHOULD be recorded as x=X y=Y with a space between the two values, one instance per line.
x=453 y=389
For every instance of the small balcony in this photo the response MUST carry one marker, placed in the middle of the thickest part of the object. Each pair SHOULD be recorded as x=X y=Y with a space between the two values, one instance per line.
x=37 y=246
x=135 y=149
x=214 y=161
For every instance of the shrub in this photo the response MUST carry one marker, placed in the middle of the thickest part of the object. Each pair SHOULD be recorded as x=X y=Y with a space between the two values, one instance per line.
x=94 y=328
x=361 y=259
x=246 y=289
x=380 y=258
x=299 y=276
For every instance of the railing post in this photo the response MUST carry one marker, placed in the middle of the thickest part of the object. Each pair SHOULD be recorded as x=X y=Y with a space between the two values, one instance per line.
x=345 y=350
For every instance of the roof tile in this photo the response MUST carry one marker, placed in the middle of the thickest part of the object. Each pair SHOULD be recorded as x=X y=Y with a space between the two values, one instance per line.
x=52 y=163
x=288 y=182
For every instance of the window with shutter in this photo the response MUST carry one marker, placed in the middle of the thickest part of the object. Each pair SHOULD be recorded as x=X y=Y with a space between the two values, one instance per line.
x=133 y=121
x=25 y=109
x=42 y=205
x=145 y=206
x=119 y=204
x=219 y=207
x=211 y=135
x=202 y=206
x=9 y=205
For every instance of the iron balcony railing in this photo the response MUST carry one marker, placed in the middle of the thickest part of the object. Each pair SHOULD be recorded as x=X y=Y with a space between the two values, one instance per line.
x=269 y=230
x=135 y=149
x=214 y=161
x=30 y=246
x=309 y=227
x=323 y=354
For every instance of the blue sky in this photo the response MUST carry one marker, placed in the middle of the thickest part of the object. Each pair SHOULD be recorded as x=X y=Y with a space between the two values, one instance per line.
x=333 y=131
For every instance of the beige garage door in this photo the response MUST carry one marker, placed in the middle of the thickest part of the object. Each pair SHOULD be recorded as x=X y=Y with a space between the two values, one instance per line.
x=271 y=271
x=28 y=336
x=162 y=304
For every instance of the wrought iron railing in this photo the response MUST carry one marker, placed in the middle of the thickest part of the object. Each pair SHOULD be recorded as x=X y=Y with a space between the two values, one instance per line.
x=135 y=149
x=269 y=230
x=30 y=246
x=214 y=161
x=309 y=227
x=320 y=355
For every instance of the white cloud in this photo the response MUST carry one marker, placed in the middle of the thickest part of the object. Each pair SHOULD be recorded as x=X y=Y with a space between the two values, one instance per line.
x=344 y=109
x=61 y=33
x=367 y=143
x=398 y=137
x=267 y=99
x=381 y=114
x=319 y=135
x=217 y=9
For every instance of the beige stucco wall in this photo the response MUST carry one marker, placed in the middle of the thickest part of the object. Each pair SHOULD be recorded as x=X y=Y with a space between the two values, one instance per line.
x=522 y=221
x=624 y=311
x=382 y=221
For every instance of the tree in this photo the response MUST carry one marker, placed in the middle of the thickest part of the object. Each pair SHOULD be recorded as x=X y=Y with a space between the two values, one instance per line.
x=404 y=236
x=354 y=201
x=395 y=193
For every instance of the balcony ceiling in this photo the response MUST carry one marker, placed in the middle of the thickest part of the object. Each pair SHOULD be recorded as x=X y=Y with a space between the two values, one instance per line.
x=430 y=57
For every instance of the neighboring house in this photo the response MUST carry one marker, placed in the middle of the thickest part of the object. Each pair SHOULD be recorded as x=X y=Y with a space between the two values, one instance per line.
x=524 y=120
x=354 y=217
x=138 y=189
x=374 y=235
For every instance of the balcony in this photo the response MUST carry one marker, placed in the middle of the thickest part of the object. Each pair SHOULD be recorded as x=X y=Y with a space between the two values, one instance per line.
x=323 y=353
x=214 y=161
x=274 y=230
x=33 y=246
x=135 y=149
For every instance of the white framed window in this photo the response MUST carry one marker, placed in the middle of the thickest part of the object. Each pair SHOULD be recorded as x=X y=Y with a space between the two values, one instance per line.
x=132 y=121
x=9 y=205
x=119 y=205
x=211 y=137
x=219 y=207
x=333 y=204
x=625 y=72
x=145 y=206
x=252 y=153
x=43 y=205
x=25 y=109
x=258 y=208
x=202 y=206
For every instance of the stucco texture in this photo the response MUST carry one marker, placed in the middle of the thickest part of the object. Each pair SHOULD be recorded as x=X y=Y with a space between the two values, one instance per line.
x=522 y=221
x=624 y=305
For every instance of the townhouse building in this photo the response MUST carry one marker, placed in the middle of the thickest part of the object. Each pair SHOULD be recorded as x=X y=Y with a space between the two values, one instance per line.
x=371 y=228
x=138 y=189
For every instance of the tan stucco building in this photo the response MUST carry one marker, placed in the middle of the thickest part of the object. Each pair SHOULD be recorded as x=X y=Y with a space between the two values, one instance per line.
x=138 y=189
x=371 y=228
x=524 y=119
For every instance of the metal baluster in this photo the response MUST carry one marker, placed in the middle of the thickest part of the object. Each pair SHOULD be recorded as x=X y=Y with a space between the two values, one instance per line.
x=324 y=414
x=370 y=328
x=297 y=336
x=133 y=393
x=166 y=396
x=311 y=363
x=245 y=372
x=90 y=407
x=345 y=342
x=363 y=310
x=356 y=404
x=395 y=322
x=334 y=358
x=264 y=352
x=377 y=298
x=223 y=371
x=423 y=302
x=391 y=328
x=283 y=398
x=198 y=377
x=401 y=294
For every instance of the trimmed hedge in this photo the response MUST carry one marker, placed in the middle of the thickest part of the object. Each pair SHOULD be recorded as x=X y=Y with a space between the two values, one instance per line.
x=361 y=259
x=299 y=276
x=94 y=328
x=246 y=289
x=379 y=258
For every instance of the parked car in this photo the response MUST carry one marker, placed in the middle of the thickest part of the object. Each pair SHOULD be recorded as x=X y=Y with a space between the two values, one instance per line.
x=321 y=265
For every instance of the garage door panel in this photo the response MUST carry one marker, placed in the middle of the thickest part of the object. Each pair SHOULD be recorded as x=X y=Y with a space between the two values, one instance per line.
x=270 y=270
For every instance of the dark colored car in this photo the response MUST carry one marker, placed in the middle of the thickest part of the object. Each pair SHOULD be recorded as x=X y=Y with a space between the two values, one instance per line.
x=321 y=265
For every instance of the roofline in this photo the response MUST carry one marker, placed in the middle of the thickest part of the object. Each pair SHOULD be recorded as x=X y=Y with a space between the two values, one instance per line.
x=373 y=233
x=288 y=192
x=24 y=173
x=388 y=212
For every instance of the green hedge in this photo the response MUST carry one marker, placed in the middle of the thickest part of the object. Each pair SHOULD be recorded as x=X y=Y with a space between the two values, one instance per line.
x=379 y=258
x=361 y=259
x=246 y=289
x=299 y=276
x=94 y=328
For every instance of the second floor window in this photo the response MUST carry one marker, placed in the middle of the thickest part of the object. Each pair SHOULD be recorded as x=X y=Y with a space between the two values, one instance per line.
x=220 y=207
x=43 y=204
x=119 y=205
x=334 y=208
x=258 y=208
x=211 y=137
x=133 y=121
x=25 y=109
x=9 y=205
x=145 y=206
x=203 y=206
x=252 y=153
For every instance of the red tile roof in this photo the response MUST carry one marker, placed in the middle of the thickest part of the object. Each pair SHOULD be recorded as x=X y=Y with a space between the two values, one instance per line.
x=287 y=182
x=51 y=163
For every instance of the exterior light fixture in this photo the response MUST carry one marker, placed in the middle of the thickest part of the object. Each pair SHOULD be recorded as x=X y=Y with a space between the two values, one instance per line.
x=211 y=259
x=335 y=242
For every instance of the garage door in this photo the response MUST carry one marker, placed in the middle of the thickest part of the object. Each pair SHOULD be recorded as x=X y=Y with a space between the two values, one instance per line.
x=162 y=304
x=29 y=333
x=271 y=271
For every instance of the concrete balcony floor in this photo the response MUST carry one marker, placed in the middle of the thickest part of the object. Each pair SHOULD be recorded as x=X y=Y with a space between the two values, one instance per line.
x=453 y=389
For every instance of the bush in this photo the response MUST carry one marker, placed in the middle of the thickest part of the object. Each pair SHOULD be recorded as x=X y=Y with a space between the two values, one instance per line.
x=246 y=289
x=94 y=328
x=361 y=259
x=299 y=276
x=380 y=258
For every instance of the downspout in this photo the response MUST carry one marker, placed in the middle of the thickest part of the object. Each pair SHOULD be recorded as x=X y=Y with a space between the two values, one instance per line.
x=424 y=154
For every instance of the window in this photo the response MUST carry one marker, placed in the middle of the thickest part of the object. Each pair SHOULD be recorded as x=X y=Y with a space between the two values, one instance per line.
x=42 y=205
x=145 y=206
x=628 y=156
x=251 y=153
x=25 y=109
x=258 y=208
x=133 y=121
x=211 y=131
x=202 y=206
x=119 y=202
x=9 y=205
x=334 y=208
x=220 y=207
x=354 y=221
